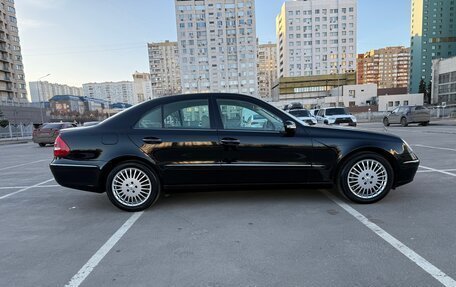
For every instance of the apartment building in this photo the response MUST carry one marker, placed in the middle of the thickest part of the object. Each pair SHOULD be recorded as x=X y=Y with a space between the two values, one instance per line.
x=164 y=68
x=43 y=91
x=387 y=67
x=316 y=37
x=112 y=92
x=142 y=87
x=12 y=78
x=267 y=69
x=433 y=36
x=217 y=46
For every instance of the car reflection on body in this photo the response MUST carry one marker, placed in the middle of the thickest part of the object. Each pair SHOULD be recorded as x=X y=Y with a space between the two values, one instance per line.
x=137 y=155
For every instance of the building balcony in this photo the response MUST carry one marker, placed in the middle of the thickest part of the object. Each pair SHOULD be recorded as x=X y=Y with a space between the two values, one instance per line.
x=4 y=69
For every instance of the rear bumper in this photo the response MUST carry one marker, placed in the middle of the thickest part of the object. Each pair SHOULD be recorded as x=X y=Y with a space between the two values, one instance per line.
x=407 y=172
x=45 y=140
x=77 y=176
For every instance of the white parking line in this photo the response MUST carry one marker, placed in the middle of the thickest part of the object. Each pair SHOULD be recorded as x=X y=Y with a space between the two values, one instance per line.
x=429 y=171
x=25 y=188
x=19 y=165
x=438 y=170
x=399 y=246
x=20 y=187
x=434 y=147
x=85 y=271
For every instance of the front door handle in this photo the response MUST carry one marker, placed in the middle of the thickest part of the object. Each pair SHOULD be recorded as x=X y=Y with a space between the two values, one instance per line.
x=230 y=141
x=152 y=140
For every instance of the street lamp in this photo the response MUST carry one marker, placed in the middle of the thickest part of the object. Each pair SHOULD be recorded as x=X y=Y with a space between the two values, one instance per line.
x=39 y=96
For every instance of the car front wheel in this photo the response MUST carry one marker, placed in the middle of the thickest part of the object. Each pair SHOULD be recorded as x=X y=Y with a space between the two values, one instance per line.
x=366 y=178
x=132 y=187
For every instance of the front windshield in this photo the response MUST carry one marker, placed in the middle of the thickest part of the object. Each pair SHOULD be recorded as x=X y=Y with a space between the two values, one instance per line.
x=336 y=111
x=300 y=113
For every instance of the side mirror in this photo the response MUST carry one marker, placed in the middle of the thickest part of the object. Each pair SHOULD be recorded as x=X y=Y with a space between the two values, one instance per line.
x=290 y=128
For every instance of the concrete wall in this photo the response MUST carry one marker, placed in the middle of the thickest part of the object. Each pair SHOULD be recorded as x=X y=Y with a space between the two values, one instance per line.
x=384 y=102
x=24 y=115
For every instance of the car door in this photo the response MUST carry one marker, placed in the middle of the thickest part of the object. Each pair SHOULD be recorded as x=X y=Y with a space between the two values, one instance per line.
x=180 y=138
x=394 y=117
x=260 y=155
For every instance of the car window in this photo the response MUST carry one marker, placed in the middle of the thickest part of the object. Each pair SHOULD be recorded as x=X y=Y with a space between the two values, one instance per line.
x=152 y=120
x=242 y=115
x=395 y=111
x=52 y=126
x=300 y=113
x=320 y=112
x=336 y=111
x=191 y=114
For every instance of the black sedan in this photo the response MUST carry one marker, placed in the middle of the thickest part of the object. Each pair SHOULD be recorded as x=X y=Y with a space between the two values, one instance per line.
x=207 y=140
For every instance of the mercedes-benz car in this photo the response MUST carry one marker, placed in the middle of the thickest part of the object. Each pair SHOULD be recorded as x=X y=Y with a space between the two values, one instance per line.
x=336 y=116
x=200 y=141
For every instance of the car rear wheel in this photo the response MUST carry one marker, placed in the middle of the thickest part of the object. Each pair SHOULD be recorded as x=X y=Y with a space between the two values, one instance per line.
x=425 y=123
x=132 y=187
x=386 y=122
x=404 y=122
x=42 y=144
x=366 y=178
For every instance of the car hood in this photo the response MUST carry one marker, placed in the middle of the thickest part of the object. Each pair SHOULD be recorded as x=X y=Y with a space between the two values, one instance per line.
x=350 y=133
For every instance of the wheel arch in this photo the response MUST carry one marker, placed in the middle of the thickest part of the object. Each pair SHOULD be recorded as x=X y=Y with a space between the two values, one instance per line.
x=123 y=159
x=379 y=151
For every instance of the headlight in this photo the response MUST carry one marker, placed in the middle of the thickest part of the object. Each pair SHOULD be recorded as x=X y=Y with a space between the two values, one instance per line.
x=410 y=150
x=353 y=118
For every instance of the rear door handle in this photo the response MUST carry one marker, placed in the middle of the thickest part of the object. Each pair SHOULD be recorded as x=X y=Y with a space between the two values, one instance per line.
x=152 y=140
x=230 y=141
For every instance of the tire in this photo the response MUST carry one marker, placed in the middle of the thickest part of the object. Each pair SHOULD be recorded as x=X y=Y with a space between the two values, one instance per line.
x=424 y=124
x=404 y=122
x=42 y=144
x=132 y=186
x=326 y=122
x=361 y=169
x=353 y=124
x=386 y=122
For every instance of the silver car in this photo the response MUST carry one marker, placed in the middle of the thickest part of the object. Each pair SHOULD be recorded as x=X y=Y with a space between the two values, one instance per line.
x=406 y=115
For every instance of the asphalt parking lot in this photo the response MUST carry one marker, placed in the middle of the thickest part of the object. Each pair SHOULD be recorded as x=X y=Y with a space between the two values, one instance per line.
x=53 y=236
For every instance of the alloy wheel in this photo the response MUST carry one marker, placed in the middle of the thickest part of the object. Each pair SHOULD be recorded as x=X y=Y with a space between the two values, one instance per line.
x=131 y=186
x=367 y=178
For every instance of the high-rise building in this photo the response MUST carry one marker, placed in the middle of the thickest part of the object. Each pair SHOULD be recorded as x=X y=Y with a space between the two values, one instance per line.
x=42 y=91
x=444 y=81
x=12 y=78
x=387 y=67
x=316 y=37
x=433 y=36
x=112 y=92
x=217 y=46
x=267 y=69
x=164 y=68
x=142 y=87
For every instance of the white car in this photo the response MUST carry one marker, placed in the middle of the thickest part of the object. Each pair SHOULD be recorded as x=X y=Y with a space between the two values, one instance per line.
x=335 y=116
x=304 y=116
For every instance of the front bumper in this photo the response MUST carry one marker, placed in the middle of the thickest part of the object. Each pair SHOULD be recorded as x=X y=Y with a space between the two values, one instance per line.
x=77 y=176
x=406 y=173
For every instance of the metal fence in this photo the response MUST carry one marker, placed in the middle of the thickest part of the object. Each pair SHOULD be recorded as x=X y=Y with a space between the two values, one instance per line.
x=16 y=131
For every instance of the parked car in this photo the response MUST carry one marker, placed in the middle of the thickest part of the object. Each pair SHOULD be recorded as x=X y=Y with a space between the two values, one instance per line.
x=137 y=155
x=331 y=116
x=48 y=132
x=293 y=106
x=406 y=115
x=305 y=116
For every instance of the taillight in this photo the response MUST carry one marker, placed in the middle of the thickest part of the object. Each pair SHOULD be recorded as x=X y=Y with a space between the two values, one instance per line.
x=61 y=149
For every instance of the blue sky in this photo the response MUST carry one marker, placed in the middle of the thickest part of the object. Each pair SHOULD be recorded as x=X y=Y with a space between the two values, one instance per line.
x=79 y=41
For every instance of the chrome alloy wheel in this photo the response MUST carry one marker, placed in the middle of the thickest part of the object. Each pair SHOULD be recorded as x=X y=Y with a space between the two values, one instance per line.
x=367 y=178
x=131 y=187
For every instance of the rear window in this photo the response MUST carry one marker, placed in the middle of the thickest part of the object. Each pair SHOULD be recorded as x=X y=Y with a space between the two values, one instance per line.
x=336 y=111
x=52 y=126
x=300 y=113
